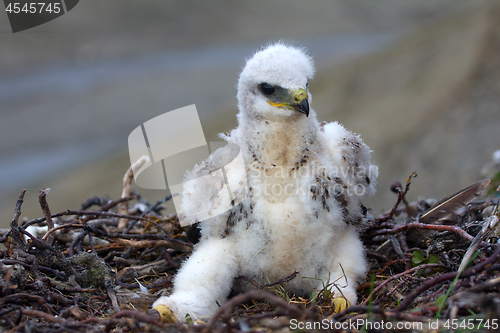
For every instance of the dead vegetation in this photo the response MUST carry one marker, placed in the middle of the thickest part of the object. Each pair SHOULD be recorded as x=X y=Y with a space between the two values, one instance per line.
x=430 y=263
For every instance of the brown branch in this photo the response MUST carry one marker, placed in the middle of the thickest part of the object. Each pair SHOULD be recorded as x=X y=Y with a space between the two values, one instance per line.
x=43 y=315
x=112 y=204
x=140 y=316
x=359 y=309
x=267 y=285
x=37 y=242
x=146 y=237
x=225 y=310
x=446 y=277
x=14 y=223
x=62 y=226
x=127 y=183
x=42 y=269
x=418 y=225
x=397 y=276
x=16 y=298
x=86 y=212
x=112 y=296
x=17 y=211
x=401 y=197
x=46 y=212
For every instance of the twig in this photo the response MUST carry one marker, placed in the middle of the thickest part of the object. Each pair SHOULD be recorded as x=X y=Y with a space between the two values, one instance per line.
x=103 y=233
x=85 y=212
x=45 y=316
x=359 y=309
x=127 y=183
x=112 y=296
x=42 y=269
x=168 y=258
x=112 y=204
x=401 y=197
x=225 y=310
x=397 y=276
x=37 y=242
x=17 y=211
x=46 y=212
x=446 y=277
x=59 y=227
x=149 y=210
x=140 y=316
x=267 y=285
x=418 y=225
x=158 y=203
x=14 y=223
x=488 y=226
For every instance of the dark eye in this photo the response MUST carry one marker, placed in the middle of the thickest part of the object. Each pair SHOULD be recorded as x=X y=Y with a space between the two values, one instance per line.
x=266 y=89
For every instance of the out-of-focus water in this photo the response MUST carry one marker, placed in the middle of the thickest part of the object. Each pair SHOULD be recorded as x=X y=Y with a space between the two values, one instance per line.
x=63 y=115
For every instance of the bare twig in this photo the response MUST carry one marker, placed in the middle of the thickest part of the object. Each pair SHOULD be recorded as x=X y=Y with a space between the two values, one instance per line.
x=225 y=310
x=397 y=276
x=140 y=316
x=46 y=212
x=401 y=197
x=488 y=227
x=17 y=211
x=112 y=296
x=112 y=204
x=423 y=226
x=14 y=223
x=267 y=285
x=59 y=227
x=127 y=183
x=446 y=277
x=83 y=213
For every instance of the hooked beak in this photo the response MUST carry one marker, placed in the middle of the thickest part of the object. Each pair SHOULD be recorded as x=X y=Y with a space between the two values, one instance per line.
x=301 y=103
x=293 y=101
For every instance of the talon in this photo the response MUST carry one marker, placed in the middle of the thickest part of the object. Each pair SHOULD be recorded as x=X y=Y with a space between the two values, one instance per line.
x=340 y=304
x=166 y=315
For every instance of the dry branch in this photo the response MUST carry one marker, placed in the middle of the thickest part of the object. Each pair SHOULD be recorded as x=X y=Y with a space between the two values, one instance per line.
x=45 y=287
x=127 y=188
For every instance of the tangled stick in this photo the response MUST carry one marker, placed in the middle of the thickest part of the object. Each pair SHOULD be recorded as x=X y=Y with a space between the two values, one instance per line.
x=446 y=277
x=225 y=310
x=127 y=183
x=397 y=276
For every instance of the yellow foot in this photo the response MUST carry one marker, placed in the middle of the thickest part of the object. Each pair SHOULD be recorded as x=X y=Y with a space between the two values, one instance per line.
x=340 y=304
x=166 y=315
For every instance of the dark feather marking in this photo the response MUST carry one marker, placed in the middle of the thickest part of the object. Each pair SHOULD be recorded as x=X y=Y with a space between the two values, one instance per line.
x=193 y=233
x=341 y=200
x=363 y=210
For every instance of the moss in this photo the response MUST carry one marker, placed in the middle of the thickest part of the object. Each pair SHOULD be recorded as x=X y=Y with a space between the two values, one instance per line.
x=98 y=273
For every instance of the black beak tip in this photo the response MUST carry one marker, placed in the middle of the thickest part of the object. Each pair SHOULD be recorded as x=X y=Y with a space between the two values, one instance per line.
x=303 y=107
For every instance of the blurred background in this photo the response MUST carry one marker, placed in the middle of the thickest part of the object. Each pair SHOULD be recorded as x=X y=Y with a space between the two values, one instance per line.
x=420 y=81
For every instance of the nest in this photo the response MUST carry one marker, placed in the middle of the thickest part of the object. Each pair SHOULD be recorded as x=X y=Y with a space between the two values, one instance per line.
x=98 y=269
